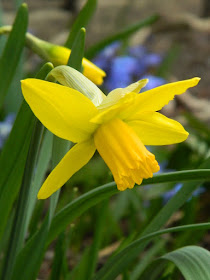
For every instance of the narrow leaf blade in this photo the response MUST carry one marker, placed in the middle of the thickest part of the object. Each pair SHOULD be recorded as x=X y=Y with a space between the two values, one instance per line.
x=77 y=52
x=82 y=20
x=12 y=51
x=91 y=198
x=12 y=161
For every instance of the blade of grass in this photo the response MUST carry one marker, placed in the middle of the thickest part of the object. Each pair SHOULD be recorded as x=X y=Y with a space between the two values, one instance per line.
x=58 y=258
x=19 y=227
x=77 y=52
x=31 y=254
x=36 y=245
x=41 y=169
x=91 y=198
x=13 y=157
x=34 y=249
x=12 y=161
x=148 y=257
x=81 y=21
x=12 y=51
x=98 y=234
x=126 y=256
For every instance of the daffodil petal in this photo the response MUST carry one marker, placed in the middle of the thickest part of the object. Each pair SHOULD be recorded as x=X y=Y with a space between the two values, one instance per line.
x=64 y=111
x=92 y=72
x=115 y=95
x=74 y=160
x=155 y=129
x=155 y=99
x=107 y=114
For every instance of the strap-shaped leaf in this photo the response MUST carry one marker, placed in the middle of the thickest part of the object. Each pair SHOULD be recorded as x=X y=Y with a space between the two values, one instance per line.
x=192 y=261
x=12 y=161
x=119 y=262
x=19 y=227
x=31 y=255
x=81 y=21
x=77 y=51
x=12 y=51
x=75 y=208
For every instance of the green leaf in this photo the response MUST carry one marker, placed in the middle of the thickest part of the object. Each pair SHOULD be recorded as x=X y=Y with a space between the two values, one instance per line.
x=192 y=261
x=41 y=169
x=12 y=51
x=20 y=224
x=154 y=271
x=58 y=258
x=33 y=251
x=12 y=161
x=31 y=254
x=94 y=249
x=77 y=51
x=81 y=21
x=118 y=263
x=19 y=228
x=92 y=51
x=79 y=270
x=148 y=257
x=91 y=198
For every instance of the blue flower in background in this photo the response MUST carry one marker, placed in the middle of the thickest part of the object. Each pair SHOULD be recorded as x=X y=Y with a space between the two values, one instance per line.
x=142 y=54
x=5 y=128
x=137 y=51
x=122 y=70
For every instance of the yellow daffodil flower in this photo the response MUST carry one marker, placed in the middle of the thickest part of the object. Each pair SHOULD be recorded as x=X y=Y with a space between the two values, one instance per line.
x=118 y=126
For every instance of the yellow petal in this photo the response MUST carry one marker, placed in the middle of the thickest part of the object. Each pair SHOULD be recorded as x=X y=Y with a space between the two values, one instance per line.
x=109 y=113
x=92 y=72
x=115 y=95
x=74 y=160
x=59 y=55
x=64 y=111
x=155 y=99
x=155 y=129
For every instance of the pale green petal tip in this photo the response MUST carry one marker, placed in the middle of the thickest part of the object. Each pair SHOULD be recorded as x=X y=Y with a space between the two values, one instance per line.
x=72 y=78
